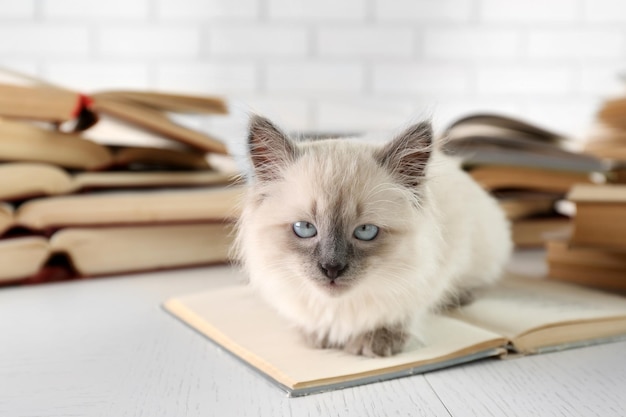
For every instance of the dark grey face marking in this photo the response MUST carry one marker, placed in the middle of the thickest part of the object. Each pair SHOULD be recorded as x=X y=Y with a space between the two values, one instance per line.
x=334 y=253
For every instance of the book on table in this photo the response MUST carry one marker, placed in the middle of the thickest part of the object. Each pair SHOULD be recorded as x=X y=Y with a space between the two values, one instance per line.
x=519 y=315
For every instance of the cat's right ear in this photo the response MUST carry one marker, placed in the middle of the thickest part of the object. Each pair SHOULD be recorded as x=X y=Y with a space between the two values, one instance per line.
x=270 y=148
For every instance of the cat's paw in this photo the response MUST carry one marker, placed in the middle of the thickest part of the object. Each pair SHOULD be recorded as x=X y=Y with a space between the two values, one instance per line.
x=316 y=340
x=383 y=341
x=457 y=299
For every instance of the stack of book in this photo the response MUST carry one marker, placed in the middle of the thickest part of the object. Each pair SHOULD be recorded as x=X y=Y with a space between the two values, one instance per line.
x=594 y=254
x=72 y=206
x=527 y=168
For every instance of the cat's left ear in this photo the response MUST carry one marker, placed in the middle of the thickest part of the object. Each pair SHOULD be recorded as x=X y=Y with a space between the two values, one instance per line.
x=407 y=155
x=270 y=148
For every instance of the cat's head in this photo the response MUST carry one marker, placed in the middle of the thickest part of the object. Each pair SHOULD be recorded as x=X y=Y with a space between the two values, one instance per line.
x=332 y=213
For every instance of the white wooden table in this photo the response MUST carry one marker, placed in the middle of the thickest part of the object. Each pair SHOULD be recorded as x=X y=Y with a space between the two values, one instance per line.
x=106 y=348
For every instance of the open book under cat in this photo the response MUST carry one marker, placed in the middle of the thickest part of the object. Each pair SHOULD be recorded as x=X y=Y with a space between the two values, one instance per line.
x=519 y=315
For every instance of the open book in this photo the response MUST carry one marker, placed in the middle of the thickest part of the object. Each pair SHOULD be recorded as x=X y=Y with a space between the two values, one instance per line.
x=24 y=142
x=490 y=139
x=34 y=99
x=519 y=315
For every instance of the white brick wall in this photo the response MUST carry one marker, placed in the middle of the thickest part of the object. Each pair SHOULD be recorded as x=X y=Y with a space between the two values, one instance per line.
x=198 y=10
x=347 y=65
x=92 y=76
x=604 y=11
x=80 y=9
x=155 y=41
x=424 y=11
x=315 y=79
x=467 y=42
x=19 y=9
x=218 y=78
x=365 y=42
x=43 y=40
x=584 y=44
x=422 y=78
x=530 y=11
x=320 y=10
x=524 y=80
x=261 y=41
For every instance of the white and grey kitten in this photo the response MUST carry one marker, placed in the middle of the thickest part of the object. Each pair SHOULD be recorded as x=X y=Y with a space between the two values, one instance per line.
x=354 y=242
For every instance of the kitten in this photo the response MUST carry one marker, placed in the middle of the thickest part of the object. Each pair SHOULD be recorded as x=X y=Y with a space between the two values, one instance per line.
x=354 y=242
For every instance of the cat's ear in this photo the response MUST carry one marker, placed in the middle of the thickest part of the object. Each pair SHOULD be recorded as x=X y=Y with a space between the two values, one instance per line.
x=407 y=155
x=270 y=148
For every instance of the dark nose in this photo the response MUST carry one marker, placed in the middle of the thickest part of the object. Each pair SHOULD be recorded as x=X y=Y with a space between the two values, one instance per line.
x=333 y=269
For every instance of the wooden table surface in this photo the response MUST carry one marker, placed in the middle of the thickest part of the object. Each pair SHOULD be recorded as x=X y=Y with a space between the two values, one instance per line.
x=104 y=347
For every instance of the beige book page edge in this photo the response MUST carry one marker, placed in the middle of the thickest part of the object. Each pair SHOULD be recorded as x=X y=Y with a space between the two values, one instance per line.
x=22 y=257
x=148 y=206
x=185 y=245
x=6 y=217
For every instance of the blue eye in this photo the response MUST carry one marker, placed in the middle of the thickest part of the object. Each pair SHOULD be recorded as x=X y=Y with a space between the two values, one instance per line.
x=304 y=229
x=366 y=232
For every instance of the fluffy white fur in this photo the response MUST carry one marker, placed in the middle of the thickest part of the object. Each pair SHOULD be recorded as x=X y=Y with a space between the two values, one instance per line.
x=449 y=238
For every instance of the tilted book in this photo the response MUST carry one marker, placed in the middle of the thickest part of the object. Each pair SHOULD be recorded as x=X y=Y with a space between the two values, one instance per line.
x=520 y=315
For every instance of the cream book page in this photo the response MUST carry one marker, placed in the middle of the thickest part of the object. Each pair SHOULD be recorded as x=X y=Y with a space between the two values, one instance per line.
x=22 y=256
x=25 y=179
x=6 y=217
x=89 y=180
x=242 y=323
x=519 y=306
